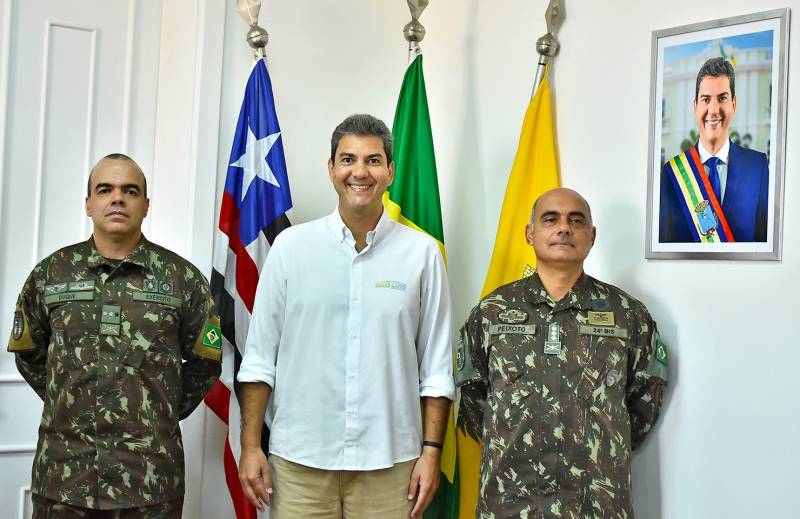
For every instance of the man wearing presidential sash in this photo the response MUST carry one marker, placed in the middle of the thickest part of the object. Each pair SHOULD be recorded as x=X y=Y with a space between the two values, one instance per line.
x=562 y=376
x=716 y=191
x=120 y=339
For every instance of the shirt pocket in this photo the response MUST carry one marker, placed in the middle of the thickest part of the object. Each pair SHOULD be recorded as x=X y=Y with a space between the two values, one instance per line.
x=605 y=370
x=153 y=332
x=511 y=355
x=72 y=341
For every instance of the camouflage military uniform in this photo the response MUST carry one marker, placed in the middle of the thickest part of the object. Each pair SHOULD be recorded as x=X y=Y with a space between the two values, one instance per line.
x=120 y=351
x=561 y=393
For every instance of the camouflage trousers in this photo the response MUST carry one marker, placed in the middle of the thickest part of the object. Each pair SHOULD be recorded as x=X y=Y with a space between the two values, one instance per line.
x=44 y=508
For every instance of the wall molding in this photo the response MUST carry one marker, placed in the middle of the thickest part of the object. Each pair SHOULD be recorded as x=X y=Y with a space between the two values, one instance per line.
x=24 y=499
x=17 y=449
x=5 y=59
x=39 y=173
x=12 y=378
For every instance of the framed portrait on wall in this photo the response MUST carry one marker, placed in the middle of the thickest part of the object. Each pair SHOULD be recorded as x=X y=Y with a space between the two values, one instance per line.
x=717 y=139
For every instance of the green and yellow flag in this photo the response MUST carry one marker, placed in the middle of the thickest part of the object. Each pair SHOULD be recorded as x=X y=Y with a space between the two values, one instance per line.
x=535 y=171
x=413 y=200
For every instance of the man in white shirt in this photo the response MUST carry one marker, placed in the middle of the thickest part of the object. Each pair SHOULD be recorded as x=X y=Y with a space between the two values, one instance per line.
x=351 y=328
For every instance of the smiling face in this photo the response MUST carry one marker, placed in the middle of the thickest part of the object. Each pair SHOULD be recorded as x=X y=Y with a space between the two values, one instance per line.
x=561 y=230
x=116 y=202
x=360 y=174
x=713 y=111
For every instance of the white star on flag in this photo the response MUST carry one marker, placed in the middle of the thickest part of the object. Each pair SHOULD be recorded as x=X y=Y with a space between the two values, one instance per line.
x=254 y=160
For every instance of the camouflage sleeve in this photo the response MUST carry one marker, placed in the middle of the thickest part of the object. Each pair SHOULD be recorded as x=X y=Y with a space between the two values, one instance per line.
x=648 y=377
x=472 y=375
x=201 y=345
x=30 y=333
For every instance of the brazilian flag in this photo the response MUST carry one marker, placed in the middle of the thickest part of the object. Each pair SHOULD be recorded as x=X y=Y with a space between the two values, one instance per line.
x=413 y=200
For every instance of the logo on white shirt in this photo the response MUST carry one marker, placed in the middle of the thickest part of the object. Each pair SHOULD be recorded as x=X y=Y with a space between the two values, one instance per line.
x=394 y=285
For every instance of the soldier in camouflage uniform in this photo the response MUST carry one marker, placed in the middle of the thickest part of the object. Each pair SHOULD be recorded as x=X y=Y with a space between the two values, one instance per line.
x=120 y=339
x=562 y=376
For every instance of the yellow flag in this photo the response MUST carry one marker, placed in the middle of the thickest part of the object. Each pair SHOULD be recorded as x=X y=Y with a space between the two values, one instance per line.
x=535 y=171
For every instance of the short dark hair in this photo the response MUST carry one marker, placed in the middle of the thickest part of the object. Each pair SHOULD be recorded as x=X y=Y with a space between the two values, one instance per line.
x=716 y=67
x=115 y=156
x=363 y=125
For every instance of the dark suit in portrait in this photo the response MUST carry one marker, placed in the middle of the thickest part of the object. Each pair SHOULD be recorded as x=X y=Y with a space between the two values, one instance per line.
x=744 y=202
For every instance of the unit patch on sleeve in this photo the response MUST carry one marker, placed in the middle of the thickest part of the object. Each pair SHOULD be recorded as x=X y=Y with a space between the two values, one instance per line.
x=20 y=334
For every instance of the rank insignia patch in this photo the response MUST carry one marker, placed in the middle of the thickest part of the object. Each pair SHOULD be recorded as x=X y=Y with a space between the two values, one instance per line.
x=513 y=316
x=19 y=326
x=601 y=318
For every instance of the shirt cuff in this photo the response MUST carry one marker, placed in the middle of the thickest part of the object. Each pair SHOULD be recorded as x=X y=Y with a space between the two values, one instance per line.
x=438 y=386
x=253 y=370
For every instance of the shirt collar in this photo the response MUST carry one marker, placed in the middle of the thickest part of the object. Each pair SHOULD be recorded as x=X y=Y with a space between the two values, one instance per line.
x=139 y=256
x=579 y=296
x=722 y=154
x=341 y=232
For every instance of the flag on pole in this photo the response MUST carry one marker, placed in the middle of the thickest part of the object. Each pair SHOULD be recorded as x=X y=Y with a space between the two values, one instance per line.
x=413 y=200
x=535 y=170
x=253 y=212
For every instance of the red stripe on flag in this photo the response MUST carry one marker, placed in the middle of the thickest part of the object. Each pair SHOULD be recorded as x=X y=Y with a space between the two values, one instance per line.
x=244 y=510
x=246 y=269
x=711 y=196
x=218 y=400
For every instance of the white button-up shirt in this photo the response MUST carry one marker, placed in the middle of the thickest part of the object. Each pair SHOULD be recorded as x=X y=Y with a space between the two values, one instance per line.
x=349 y=342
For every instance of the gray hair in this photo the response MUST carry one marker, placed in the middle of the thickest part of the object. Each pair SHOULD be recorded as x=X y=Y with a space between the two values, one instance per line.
x=536 y=204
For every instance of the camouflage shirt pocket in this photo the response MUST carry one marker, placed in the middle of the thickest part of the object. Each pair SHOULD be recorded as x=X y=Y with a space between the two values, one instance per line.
x=71 y=345
x=606 y=367
x=159 y=324
x=510 y=357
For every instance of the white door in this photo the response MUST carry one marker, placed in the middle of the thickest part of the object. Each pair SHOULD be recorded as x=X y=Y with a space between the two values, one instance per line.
x=78 y=80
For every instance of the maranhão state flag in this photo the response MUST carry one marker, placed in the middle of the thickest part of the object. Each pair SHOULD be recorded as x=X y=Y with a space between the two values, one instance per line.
x=253 y=212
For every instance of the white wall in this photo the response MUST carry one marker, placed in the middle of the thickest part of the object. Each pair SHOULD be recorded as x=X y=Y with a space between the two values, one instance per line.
x=727 y=443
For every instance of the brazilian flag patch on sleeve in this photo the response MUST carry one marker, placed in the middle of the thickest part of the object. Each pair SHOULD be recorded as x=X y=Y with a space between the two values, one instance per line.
x=209 y=343
x=661 y=352
x=659 y=363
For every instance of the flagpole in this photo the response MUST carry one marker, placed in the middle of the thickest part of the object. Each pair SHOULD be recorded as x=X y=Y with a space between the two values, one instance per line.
x=257 y=38
x=414 y=32
x=547 y=45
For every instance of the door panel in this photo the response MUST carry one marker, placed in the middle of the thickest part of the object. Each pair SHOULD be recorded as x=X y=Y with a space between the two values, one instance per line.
x=78 y=80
